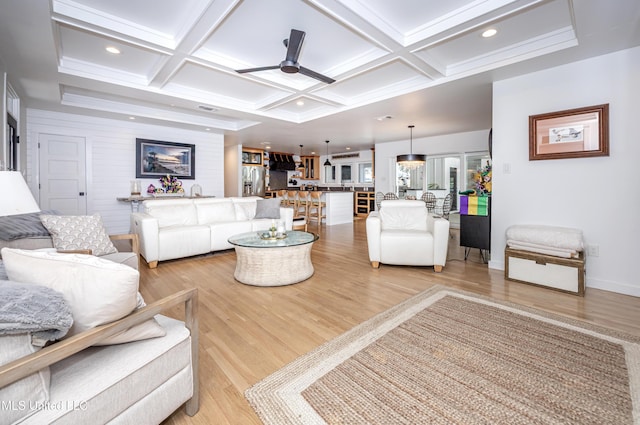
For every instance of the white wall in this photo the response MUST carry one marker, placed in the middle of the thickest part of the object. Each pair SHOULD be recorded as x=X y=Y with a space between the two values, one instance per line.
x=111 y=155
x=232 y=170
x=3 y=115
x=459 y=143
x=598 y=195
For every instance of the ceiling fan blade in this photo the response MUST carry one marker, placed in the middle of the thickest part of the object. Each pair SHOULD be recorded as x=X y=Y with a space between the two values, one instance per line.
x=294 y=45
x=313 y=74
x=262 y=68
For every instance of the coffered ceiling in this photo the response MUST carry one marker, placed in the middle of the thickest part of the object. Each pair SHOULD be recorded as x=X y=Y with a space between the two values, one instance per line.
x=421 y=62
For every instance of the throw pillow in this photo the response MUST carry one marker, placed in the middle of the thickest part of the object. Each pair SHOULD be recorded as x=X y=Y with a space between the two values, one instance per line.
x=79 y=232
x=98 y=291
x=268 y=208
x=145 y=330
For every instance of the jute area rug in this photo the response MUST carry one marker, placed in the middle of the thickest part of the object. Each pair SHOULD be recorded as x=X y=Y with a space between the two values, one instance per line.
x=448 y=357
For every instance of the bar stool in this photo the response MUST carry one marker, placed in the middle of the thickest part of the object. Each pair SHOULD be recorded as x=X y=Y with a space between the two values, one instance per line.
x=302 y=208
x=292 y=200
x=315 y=208
x=300 y=223
x=282 y=194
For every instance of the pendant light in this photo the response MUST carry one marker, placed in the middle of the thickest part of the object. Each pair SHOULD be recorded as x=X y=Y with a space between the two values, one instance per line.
x=327 y=163
x=300 y=162
x=411 y=160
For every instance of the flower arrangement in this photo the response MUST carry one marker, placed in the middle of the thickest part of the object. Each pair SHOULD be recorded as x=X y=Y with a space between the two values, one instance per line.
x=169 y=184
x=482 y=179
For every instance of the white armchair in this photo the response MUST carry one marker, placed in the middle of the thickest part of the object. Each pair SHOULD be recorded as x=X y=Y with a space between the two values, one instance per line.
x=403 y=232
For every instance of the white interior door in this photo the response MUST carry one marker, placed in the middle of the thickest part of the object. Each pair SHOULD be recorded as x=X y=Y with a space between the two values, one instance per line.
x=63 y=173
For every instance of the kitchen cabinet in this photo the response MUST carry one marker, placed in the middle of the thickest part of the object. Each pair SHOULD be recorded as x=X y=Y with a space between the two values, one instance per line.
x=252 y=157
x=365 y=203
x=310 y=167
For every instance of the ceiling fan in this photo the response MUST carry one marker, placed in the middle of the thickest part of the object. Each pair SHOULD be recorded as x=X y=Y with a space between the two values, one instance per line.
x=290 y=64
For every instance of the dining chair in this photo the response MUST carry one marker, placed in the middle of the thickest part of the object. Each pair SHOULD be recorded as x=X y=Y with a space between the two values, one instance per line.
x=446 y=206
x=429 y=200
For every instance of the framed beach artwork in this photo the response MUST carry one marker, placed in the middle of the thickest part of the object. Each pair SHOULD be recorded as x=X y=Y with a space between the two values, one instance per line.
x=156 y=159
x=574 y=133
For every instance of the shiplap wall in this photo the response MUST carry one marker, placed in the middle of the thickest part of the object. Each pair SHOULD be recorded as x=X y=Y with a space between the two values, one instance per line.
x=111 y=154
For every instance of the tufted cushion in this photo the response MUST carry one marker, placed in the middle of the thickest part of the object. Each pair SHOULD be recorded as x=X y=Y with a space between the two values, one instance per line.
x=215 y=211
x=245 y=208
x=79 y=232
x=176 y=212
x=404 y=215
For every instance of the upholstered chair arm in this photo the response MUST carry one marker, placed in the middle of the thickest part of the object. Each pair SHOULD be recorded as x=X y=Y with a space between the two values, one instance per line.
x=146 y=228
x=373 y=238
x=439 y=227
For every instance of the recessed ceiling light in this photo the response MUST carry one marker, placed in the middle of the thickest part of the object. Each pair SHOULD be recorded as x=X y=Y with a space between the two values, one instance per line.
x=384 y=117
x=113 y=49
x=300 y=103
x=348 y=148
x=490 y=33
x=132 y=118
x=267 y=147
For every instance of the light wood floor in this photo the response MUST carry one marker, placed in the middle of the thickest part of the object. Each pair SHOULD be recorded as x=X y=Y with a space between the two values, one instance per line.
x=247 y=333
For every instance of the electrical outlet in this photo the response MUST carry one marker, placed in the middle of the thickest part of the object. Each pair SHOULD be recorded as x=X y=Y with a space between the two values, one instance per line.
x=593 y=250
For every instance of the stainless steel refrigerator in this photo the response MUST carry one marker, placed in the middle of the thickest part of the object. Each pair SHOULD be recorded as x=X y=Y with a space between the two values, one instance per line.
x=253 y=180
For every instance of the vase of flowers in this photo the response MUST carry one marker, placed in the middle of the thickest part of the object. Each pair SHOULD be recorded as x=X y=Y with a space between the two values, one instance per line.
x=169 y=186
x=482 y=180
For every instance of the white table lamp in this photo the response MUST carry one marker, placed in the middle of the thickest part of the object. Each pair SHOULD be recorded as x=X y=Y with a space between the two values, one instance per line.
x=15 y=196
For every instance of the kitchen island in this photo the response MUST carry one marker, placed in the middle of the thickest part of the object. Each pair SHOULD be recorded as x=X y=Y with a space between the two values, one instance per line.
x=339 y=205
x=339 y=209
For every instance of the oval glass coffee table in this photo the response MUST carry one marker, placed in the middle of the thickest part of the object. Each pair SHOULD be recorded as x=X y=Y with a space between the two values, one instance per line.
x=273 y=262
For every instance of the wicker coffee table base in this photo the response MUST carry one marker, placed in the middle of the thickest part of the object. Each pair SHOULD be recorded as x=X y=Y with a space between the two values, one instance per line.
x=275 y=266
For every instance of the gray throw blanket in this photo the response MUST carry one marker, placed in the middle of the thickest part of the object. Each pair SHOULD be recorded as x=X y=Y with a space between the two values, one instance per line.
x=35 y=309
x=23 y=225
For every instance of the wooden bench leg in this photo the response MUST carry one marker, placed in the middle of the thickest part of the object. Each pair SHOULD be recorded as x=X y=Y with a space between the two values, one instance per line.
x=437 y=269
x=153 y=264
x=375 y=264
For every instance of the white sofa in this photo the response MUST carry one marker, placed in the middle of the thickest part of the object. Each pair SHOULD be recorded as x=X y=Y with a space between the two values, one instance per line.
x=175 y=228
x=404 y=232
x=140 y=382
x=147 y=369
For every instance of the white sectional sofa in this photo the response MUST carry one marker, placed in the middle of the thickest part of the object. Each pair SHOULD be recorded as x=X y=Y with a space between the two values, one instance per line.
x=175 y=228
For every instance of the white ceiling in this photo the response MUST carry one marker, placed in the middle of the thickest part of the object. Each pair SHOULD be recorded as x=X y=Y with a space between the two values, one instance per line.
x=420 y=62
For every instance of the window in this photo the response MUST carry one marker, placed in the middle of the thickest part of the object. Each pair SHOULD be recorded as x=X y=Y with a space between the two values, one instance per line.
x=345 y=173
x=365 y=173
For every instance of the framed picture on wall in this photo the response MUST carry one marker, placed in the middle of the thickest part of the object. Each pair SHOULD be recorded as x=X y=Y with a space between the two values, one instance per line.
x=156 y=159
x=574 y=133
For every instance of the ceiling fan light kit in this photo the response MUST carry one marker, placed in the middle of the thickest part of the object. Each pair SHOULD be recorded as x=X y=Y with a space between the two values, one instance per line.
x=290 y=64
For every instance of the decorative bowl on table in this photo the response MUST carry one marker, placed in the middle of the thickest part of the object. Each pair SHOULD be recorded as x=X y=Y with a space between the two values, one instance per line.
x=271 y=236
